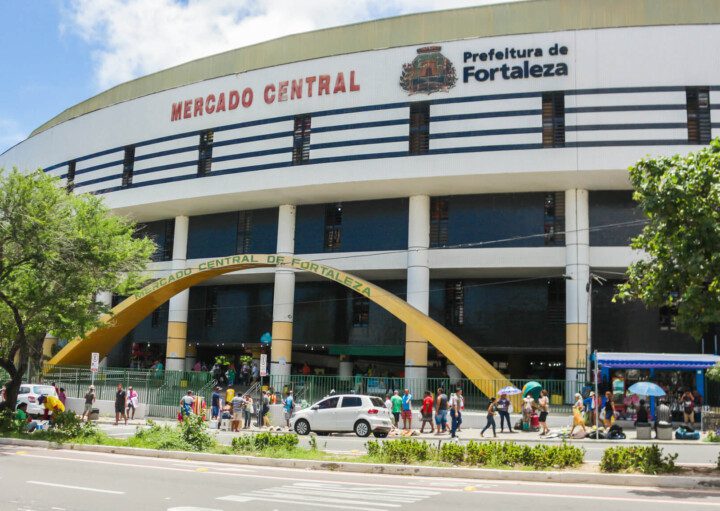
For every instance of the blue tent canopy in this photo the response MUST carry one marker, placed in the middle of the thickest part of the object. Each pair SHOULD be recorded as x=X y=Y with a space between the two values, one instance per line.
x=683 y=361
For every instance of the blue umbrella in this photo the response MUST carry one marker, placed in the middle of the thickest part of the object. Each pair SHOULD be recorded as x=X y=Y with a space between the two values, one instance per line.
x=509 y=390
x=646 y=388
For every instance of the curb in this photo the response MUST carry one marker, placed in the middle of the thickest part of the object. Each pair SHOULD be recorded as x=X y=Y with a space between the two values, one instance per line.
x=635 y=480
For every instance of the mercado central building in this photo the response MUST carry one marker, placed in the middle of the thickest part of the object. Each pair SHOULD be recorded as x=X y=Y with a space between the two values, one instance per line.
x=472 y=162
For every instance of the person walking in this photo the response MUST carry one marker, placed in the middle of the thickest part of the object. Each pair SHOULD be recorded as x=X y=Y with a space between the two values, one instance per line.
x=688 y=406
x=62 y=396
x=577 y=414
x=238 y=406
x=457 y=404
x=265 y=408
x=544 y=405
x=608 y=416
x=247 y=411
x=215 y=404
x=491 y=410
x=426 y=412
x=120 y=402
x=396 y=407
x=132 y=403
x=503 y=408
x=289 y=407
x=388 y=404
x=441 y=410
x=407 y=410
x=89 y=401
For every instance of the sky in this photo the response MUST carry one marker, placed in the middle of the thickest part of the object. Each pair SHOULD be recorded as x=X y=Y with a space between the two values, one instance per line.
x=56 y=53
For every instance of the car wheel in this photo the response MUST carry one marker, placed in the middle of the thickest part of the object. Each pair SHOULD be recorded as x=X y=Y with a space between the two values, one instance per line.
x=362 y=428
x=380 y=434
x=302 y=427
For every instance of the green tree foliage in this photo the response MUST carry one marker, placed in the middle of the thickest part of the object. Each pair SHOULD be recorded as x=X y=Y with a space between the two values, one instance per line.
x=57 y=250
x=680 y=196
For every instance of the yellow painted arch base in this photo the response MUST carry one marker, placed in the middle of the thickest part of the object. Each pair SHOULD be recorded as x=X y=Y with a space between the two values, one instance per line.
x=126 y=315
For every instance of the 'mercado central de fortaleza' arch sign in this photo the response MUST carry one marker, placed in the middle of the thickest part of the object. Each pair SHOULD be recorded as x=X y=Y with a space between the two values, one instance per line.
x=126 y=315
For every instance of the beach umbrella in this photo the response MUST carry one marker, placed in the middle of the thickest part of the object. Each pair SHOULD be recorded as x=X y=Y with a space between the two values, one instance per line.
x=532 y=388
x=509 y=390
x=646 y=388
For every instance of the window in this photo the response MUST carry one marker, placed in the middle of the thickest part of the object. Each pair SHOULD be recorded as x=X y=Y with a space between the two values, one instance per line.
x=167 y=248
x=205 y=152
x=553 y=119
x=244 y=230
x=160 y=314
x=210 y=306
x=554 y=218
x=419 y=128
x=556 y=302
x=70 y=183
x=301 y=139
x=328 y=403
x=454 y=303
x=128 y=165
x=333 y=227
x=351 y=402
x=698 y=115
x=438 y=222
x=376 y=401
x=361 y=311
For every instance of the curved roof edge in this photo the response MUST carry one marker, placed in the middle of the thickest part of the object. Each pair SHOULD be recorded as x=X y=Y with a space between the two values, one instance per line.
x=523 y=17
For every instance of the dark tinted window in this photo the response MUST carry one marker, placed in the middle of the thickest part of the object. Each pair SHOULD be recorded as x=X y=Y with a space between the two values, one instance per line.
x=419 y=128
x=376 y=401
x=329 y=403
x=698 y=115
x=553 y=119
x=351 y=402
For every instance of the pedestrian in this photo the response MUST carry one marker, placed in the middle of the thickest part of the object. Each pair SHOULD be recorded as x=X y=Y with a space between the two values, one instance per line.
x=426 y=412
x=688 y=405
x=503 y=408
x=490 y=418
x=396 y=407
x=407 y=410
x=62 y=396
x=288 y=408
x=388 y=403
x=544 y=405
x=608 y=410
x=132 y=403
x=186 y=404
x=255 y=373
x=590 y=405
x=457 y=404
x=441 y=410
x=527 y=411
x=89 y=401
x=245 y=373
x=120 y=402
x=662 y=414
x=51 y=405
x=265 y=409
x=642 y=414
x=21 y=415
x=247 y=411
x=215 y=403
x=197 y=367
x=238 y=406
x=231 y=376
x=577 y=414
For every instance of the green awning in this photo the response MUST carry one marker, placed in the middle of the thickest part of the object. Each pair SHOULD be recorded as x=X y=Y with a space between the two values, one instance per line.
x=373 y=350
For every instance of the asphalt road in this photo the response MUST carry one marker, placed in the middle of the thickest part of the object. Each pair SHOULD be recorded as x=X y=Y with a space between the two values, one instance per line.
x=47 y=480
x=701 y=453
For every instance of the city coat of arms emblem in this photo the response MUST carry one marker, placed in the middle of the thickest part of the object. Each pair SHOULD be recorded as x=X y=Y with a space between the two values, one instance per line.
x=430 y=71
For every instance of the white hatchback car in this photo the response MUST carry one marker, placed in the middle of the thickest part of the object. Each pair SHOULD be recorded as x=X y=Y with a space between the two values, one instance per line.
x=344 y=413
x=30 y=392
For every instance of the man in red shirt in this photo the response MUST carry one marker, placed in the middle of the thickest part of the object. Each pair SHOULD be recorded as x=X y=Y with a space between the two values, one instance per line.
x=427 y=412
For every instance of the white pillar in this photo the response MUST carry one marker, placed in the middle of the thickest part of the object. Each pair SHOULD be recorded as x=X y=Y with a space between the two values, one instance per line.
x=418 y=289
x=178 y=308
x=577 y=269
x=283 y=301
x=345 y=370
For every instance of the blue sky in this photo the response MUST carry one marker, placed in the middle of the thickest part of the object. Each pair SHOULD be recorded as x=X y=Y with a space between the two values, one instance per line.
x=57 y=53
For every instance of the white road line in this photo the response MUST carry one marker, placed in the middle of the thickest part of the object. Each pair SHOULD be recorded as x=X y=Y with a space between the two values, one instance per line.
x=238 y=498
x=326 y=496
x=70 y=487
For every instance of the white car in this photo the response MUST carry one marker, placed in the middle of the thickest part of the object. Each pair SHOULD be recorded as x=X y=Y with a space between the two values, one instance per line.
x=30 y=392
x=344 y=413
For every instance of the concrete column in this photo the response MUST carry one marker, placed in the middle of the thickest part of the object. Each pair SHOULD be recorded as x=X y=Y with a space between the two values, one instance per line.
x=345 y=370
x=283 y=301
x=418 y=289
x=178 y=308
x=577 y=268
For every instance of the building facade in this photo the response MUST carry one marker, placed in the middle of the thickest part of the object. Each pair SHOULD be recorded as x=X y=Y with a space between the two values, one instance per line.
x=471 y=161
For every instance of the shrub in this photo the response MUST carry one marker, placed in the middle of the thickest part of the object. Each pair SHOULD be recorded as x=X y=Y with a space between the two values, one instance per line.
x=645 y=459
x=265 y=441
x=452 y=453
x=404 y=450
x=194 y=432
x=712 y=436
x=510 y=454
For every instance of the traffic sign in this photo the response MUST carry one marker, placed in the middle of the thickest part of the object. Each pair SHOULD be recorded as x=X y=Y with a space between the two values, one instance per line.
x=94 y=362
x=263 y=365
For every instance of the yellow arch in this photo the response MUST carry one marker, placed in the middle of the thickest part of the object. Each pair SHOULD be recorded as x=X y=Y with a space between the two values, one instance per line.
x=126 y=315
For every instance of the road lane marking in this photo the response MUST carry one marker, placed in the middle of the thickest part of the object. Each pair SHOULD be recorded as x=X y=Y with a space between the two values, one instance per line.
x=70 y=487
x=239 y=498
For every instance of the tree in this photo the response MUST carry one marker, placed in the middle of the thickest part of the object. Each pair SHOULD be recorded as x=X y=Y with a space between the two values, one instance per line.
x=57 y=251
x=680 y=196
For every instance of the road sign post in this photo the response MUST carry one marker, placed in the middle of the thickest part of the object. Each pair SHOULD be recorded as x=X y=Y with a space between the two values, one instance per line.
x=94 y=365
x=263 y=373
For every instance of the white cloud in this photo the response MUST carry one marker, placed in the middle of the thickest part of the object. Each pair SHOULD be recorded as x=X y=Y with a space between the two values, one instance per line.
x=10 y=134
x=136 y=37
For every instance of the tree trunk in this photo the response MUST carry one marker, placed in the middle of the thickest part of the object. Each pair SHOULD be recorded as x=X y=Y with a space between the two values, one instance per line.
x=11 y=391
